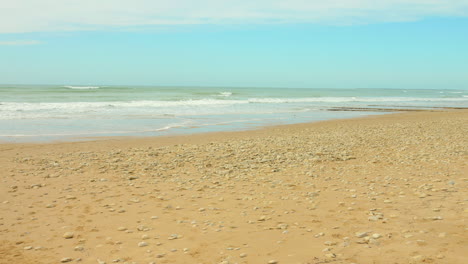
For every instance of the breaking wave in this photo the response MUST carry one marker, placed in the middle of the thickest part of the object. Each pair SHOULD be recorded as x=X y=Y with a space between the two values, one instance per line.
x=81 y=87
x=225 y=94
x=17 y=106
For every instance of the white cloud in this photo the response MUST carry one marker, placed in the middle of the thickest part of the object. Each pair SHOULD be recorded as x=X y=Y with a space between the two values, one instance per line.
x=19 y=42
x=68 y=15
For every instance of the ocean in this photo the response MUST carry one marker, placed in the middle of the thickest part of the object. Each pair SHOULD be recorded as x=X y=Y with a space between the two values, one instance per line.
x=44 y=113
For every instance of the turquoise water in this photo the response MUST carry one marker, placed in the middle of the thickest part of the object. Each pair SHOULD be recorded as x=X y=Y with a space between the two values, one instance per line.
x=47 y=113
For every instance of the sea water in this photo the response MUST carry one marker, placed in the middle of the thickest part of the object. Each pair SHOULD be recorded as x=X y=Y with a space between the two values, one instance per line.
x=52 y=112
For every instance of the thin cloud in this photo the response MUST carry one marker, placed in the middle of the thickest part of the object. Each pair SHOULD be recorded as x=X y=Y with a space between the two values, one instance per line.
x=19 y=42
x=71 y=15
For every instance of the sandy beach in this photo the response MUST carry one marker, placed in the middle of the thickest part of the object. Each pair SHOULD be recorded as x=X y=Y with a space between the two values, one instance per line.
x=380 y=189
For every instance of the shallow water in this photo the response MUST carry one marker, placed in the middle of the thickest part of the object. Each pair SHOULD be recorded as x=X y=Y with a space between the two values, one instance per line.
x=46 y=113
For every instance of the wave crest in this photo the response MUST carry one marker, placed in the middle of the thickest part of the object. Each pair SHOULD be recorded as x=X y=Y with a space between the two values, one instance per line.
x=225 y=94
x=81 y=87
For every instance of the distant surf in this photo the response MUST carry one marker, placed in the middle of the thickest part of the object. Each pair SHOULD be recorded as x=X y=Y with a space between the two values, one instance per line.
x=225 y=94
x=81 y=87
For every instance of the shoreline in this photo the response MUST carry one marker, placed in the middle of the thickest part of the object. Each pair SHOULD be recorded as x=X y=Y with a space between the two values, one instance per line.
x=371 y=189
x=385 y=111
x=187 y=131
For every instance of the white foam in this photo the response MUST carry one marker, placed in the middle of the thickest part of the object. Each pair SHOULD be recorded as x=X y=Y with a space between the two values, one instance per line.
x=147 y=108
x=81 y=87
x=88 y=106
x=184 y=123
x=225 y=94
x=352 y=99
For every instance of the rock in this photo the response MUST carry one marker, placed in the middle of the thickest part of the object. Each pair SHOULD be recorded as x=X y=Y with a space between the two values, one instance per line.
x=142 y=244
x=272 y=261
x=374 y=218
x=134 y=200
x=79 y=248
x=319 y=234
x=421 y=242
x=65 y=260
x=282 y=226
x=68 y=235
x=143 y=228
x=174 y=236
x=361 y=234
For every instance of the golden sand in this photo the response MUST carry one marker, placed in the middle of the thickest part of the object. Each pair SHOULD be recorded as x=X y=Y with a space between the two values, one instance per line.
x=381 y=189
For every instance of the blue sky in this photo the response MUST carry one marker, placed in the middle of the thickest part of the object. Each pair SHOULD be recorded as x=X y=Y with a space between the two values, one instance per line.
x=341 y=44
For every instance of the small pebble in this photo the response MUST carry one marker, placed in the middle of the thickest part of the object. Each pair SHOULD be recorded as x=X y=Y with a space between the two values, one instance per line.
x=142 y=244
x=68 y=235
x=79 y=248
x=361 y=234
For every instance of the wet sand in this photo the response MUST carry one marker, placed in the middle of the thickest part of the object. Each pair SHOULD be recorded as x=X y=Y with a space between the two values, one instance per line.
x=380 y=189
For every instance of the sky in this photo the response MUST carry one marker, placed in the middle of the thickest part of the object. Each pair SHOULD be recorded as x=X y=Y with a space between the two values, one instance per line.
x=249 y=43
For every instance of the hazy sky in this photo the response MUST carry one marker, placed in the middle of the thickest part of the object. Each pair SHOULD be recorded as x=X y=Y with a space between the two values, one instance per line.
x=287 y=43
